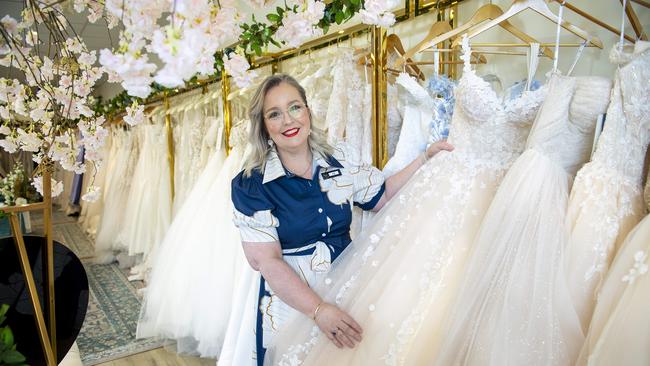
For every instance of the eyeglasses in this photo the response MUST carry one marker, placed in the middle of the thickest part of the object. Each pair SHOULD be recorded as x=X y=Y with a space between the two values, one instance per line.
x=295 y=111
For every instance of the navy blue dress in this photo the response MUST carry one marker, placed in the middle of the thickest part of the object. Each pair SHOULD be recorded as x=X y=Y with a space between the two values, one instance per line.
x=310 y=218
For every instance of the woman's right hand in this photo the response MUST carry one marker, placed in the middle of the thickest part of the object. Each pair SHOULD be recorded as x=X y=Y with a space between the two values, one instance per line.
x=338 y=326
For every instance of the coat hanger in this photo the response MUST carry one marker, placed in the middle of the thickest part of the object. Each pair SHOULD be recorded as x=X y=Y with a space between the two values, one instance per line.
x=487 y=12
x=394 y=45
x=540 y=7
x=480 y=59
x=593 y=19
x=438 y=28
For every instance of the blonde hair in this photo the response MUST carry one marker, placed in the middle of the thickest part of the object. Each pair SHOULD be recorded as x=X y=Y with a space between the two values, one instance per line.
x=258 y=136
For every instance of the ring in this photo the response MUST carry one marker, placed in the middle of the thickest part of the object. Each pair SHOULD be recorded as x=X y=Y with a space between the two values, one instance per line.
x=334 y=333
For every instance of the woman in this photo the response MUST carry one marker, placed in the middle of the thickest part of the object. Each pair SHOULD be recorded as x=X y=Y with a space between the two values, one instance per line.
x=293 y=208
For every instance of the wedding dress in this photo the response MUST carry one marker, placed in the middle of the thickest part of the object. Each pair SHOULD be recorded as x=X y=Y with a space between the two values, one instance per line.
x=404 y=267
x=148 y=212
x=196 y=268
x=606 y=201
x=514 y=307
x=622 y=307
x=120 y=167
x=318 y=87
x=418 y=113
x=619 y=330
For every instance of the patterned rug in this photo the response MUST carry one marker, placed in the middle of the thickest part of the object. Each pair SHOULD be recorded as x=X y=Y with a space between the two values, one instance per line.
x=108 y=331
x=114 y=306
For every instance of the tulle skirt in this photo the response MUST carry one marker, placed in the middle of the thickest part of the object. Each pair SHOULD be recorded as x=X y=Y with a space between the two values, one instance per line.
x=115 y=195
x=514 y=307
x=197 y=267
x=620 y=328
x=397 y=277
x=604 y=206
x=148 y=211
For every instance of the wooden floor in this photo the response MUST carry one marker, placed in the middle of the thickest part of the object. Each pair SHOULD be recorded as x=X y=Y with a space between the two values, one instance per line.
x=159 y=357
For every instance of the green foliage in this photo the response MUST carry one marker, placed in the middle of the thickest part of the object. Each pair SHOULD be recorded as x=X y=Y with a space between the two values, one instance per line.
x=8 y=354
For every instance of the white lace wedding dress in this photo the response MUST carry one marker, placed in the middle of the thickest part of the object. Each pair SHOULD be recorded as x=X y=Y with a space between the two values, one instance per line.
x=397 y=277
x=196 y=268
x=514 y=307
x=606 y=201
x=148 y=212
x=620 y=331
x=187 y=163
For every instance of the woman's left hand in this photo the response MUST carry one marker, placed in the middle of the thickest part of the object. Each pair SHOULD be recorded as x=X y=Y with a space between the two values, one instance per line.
x=437 y=147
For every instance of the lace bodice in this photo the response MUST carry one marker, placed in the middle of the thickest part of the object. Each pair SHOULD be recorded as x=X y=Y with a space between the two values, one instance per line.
x=626 y=135
x=337 y=104
x=239 y=135
x=564 y=127
x=482 y=124
x=318 y=86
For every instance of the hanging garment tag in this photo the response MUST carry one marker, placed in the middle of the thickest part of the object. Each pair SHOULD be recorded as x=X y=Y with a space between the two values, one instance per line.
x=331 y=173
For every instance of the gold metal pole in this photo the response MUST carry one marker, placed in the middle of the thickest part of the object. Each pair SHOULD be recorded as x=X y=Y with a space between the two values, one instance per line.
x=170 y=144
x=379 y=97
x=48 y=349
x=48 y=288
x=227 y=115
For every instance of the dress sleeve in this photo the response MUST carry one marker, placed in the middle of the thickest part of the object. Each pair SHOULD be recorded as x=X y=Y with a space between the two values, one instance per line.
x=367 y=181
x=252 y=211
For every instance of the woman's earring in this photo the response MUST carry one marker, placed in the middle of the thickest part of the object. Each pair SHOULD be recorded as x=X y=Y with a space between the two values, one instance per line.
x=270 y=142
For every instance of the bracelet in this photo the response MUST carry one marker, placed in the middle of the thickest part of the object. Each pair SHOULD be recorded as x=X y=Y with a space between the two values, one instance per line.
x=317 y=309
x=424 y=157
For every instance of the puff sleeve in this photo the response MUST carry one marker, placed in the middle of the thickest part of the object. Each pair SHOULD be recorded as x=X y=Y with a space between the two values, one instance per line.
x=252 y=211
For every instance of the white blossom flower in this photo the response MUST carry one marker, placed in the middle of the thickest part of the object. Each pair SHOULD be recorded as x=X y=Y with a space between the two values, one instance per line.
x=134 y=72
x=29 y=141
x=92 y=194
x=10 y=24
x=9 y=144
x=36 y=114
x=238 y=67
x=6 y=61
x=5 y=130
x=134 y=114
x=57 y=187
x=298 y=27
x=47 y=69
x=4 y=112
x=378 y=12
x=31 y=37
x=87 y=58
x=74 y=45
